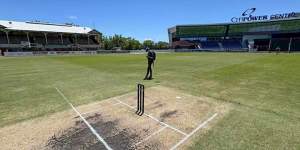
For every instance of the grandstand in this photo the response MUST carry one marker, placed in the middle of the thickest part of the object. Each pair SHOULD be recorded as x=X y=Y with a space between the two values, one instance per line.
x=41 y=36
x=271 y=35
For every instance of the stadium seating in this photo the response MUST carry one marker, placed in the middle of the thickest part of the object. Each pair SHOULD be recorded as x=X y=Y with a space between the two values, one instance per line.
x=93 y=41
x=281 y=43
x=183 y=44
x=54 y=39
x=82 y=40
x=261 y=44
x=17 y=37
x=232 y=44
x=68 y=39
x=40 y=39
x=295 y=45
x=3 y=39
x=210 y=45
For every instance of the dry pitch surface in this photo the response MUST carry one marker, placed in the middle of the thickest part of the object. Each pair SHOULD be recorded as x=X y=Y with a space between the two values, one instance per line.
x=171 y=120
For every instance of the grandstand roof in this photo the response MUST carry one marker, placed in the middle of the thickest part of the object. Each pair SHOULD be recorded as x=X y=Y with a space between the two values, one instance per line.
x=230 y=23
x=44 y=27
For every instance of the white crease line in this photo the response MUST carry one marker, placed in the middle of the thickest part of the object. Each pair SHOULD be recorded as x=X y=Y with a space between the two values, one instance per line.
x=85 y=121
x=164 y=124
x=125 y=104
x=116 y=103
x=169 y=126
x=144 y=140
x=194 y=131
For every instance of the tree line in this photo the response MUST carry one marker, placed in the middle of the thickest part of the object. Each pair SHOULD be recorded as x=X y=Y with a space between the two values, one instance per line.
x=129 y=43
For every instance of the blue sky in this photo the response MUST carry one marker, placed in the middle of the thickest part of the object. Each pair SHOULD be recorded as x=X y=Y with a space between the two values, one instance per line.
x=140 y=19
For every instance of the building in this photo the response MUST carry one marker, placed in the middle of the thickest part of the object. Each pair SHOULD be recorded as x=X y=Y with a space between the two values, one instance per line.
x=277 y=32
x=41 y=36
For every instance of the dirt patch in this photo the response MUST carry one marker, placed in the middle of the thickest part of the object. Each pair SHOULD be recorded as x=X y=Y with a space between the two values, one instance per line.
x=33 y=134
x=80 y=136
x=168 y=114
x=155 y=105
x=156 y=145
x=163 y=141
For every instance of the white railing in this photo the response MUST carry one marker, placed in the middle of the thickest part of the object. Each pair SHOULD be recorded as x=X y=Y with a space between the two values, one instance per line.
x=40 y=53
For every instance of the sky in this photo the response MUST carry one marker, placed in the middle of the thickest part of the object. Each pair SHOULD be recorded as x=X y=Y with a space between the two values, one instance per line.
x=140 y=19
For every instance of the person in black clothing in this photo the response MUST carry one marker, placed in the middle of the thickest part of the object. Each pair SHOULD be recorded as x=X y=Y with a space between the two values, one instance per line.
x=151 y=56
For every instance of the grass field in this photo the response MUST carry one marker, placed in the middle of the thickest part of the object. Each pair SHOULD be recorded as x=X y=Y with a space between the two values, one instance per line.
x=264 y=90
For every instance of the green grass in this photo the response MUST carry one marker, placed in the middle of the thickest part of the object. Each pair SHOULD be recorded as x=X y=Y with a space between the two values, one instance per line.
x=264 y=90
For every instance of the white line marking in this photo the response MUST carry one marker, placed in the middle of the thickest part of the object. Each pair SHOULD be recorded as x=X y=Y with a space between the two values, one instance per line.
x=85 y=121
x=144 y=140
x=164 y=124
x=194 y=131
x=116 y=103
x=125 y=104
x=169 y=126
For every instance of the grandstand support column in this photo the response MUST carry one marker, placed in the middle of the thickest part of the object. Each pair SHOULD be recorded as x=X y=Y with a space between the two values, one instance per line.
x=27 y=35
x=290 y=44
x=46 y=39
x=76 y=42
x=98 y=38
x=88 y=39
x=28 y=40
x=270 y=43
x=61 y=39
x=7 y=37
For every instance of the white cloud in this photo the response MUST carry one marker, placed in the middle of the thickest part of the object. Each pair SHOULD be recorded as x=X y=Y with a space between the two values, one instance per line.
x=72 y=17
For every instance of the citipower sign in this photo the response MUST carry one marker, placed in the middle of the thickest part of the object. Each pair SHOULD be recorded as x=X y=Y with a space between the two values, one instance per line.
x=248 y=16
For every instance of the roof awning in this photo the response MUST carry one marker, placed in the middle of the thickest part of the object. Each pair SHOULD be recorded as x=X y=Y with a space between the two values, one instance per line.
x=44 y=27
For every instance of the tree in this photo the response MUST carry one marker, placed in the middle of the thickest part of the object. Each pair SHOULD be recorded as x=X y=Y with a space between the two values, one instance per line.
x=107 y=43
x=148 y=43
x=126 y=43
x=132 y=44
x=129 y=43
x=162 y=45
x=118 y=41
